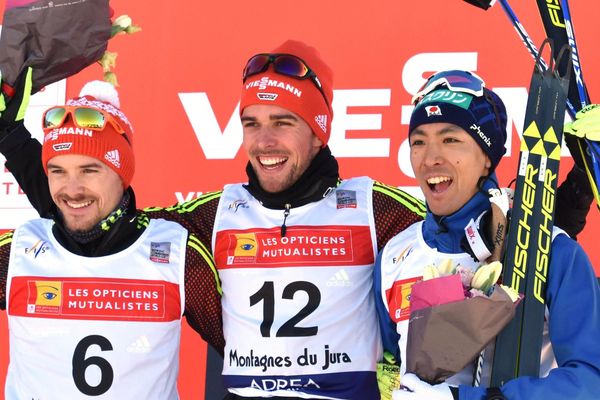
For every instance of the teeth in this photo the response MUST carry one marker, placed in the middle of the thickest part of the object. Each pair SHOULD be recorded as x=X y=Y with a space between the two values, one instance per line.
x=271 y=160
x=437 y=179
x=79 y=205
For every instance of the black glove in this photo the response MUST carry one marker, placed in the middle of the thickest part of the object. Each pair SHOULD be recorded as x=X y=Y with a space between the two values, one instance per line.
x=14 y=101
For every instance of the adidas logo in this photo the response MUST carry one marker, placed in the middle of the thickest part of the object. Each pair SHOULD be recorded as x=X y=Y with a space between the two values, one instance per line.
x=339 y=279
x=321 y=120
x=112 y=157
x=141 y=345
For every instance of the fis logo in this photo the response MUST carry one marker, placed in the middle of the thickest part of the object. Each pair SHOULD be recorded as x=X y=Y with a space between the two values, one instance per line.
x=40 y=247
x=238 y=204
x=405 y=253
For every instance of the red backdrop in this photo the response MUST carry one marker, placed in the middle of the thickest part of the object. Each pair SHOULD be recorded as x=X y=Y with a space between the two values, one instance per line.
x=180 y=80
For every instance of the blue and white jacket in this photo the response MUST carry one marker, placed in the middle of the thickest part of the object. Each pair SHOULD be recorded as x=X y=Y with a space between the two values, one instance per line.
x=572 y=301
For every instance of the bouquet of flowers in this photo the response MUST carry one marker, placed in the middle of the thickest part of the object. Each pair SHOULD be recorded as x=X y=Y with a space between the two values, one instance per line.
x=454 y=314
x=56 y=39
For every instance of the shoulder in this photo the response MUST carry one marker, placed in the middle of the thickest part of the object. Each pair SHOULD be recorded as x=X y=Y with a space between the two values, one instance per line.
x=387 y=194
x=207 y=200
x=204 y=200
x=6 y=239
x=410 y=233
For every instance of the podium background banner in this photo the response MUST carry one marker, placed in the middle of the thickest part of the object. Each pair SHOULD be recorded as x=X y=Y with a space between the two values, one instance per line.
x=180 y=80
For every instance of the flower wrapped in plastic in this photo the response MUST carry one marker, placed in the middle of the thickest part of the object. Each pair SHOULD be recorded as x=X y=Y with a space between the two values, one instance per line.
x=454 y=314
x=56 y=39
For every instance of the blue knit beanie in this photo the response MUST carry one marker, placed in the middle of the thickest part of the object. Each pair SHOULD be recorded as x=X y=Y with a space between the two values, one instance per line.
x=484 y=117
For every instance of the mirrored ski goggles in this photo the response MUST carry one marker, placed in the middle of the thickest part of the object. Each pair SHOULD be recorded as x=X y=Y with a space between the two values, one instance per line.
x=454 y=80
x=284 y=64
x=83 y=117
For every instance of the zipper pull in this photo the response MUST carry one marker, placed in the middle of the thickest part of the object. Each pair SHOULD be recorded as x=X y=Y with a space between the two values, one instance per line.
x=286 y=212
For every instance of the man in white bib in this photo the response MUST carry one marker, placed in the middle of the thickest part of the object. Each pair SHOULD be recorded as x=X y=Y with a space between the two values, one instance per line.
x=95 y=296
x=457 y=135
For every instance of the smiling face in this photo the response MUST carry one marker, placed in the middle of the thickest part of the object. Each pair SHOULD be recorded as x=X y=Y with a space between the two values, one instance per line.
x=448 y=164
x=84 y=189
x=280 y=145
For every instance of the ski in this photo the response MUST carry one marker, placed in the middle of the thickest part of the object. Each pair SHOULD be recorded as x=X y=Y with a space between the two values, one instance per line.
x=529 y=239
x=558 y=25
x=556 y=18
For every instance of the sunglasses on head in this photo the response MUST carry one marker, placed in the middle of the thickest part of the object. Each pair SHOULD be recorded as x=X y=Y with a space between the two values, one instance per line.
x=457 y=81
x=284 y=64
x=453 y=80
x=83 y=117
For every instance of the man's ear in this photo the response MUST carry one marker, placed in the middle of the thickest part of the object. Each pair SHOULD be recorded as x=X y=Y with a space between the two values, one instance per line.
x=317 y=142
x=488 y=162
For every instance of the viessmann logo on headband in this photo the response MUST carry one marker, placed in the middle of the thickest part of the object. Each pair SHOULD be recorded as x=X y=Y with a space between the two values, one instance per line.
x=67 y=130
x=266 y=82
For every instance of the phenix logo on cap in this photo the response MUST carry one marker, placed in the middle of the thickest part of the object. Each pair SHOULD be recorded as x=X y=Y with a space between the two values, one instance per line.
x=482 y=135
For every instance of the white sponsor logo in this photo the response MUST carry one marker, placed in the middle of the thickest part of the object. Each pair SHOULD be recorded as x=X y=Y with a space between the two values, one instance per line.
x=321 y=120
x=267 y=96
x=62 y=146
x=340 y=278
x=112 y=157
x=141 y=345
x=482 y=135
x=67 y=130
x=266 y=82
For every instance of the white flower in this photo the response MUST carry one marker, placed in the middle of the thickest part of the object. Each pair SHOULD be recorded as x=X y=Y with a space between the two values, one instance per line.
x=430 y=272
x=446 y=267
x=486 y=276
x=123 y=22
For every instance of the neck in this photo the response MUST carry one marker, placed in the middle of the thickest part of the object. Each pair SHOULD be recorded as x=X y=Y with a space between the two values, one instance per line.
x=103 y=226
x=320 y=176
x=446 y=232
